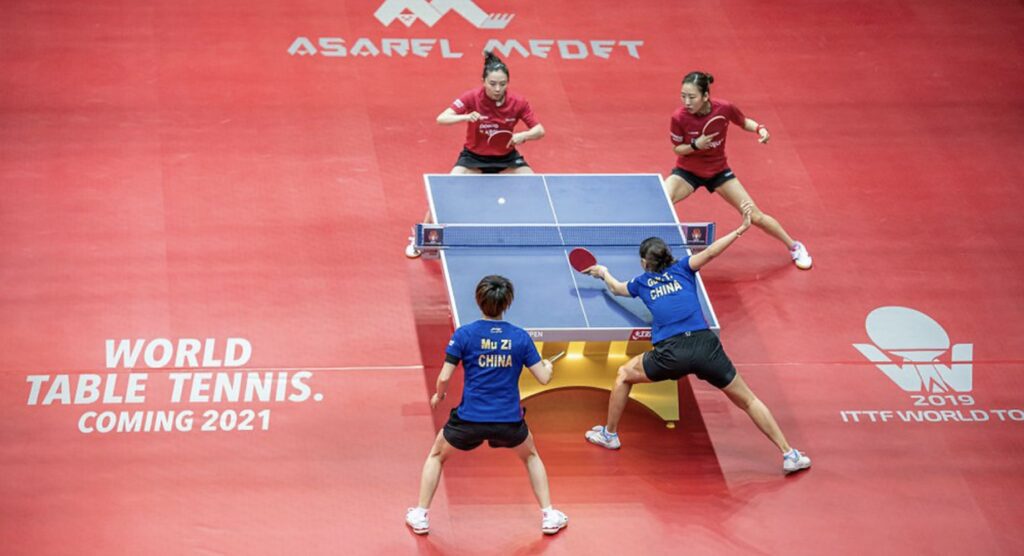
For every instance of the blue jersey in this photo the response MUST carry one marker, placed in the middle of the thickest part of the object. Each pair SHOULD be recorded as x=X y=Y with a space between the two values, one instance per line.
x=493 y=354
x=671 y=296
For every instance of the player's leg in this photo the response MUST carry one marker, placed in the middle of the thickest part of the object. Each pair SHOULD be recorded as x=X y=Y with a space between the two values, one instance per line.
x=527 y=453
x=416 y=518
x=743 y=397
x=552 y=520
x=517 y=170
x=677 y=188
x=711 y=364
x=465 y=170
x=439 y=453
x=736 y=195
x=629 y=374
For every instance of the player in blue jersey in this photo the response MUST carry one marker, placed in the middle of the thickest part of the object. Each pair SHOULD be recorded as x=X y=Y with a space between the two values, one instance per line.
x=683 y=344
x=493 y=353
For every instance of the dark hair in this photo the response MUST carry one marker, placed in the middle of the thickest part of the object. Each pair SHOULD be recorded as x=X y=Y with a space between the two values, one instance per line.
x=657 y=255
x=494 y=294
x=493 y=63
x=702 y=80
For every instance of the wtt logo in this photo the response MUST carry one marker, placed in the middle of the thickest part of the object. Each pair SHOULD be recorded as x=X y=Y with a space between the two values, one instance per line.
x=431 y=11
x=914 y=343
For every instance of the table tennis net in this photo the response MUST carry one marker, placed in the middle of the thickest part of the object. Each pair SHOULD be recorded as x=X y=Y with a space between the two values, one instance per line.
x=440 y=236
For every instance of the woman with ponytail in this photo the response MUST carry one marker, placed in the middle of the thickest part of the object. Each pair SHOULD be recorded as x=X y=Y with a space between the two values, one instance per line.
x=491 y=113
x=698 y=132
x=683 y=344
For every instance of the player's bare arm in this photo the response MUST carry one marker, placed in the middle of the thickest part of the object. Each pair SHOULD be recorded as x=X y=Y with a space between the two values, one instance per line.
x=721 y=244
x=762 y=132
x=542 y=371
x=450 y=117
x=614 y=285
x=534 y=133
x=443 y=378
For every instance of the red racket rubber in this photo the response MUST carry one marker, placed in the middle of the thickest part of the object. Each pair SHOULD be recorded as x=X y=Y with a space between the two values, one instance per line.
x=581 y=259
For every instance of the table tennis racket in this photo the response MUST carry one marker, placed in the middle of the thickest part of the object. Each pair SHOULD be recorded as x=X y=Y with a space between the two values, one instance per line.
x=715 y=126
x=556 y=357
x=498 y=134
x=581 y=259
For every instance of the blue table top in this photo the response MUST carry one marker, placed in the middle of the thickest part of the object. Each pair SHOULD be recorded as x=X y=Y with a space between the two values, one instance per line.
x=552 y=301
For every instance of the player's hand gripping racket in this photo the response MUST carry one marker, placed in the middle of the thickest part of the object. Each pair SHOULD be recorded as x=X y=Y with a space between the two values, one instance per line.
x=709 y=134
x=581 y=259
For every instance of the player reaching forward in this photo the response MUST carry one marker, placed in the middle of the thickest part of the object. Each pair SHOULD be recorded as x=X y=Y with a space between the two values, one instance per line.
x=683 y=344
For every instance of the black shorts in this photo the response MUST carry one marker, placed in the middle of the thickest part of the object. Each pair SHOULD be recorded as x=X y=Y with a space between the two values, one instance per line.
x=690 y=353
x=711 y=183
x=490 y=164
x=467 y=435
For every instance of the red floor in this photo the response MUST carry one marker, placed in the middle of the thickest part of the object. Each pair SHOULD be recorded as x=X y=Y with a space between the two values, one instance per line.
x=172 y=171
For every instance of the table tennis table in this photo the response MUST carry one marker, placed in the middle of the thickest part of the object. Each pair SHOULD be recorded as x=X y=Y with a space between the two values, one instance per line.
x=491 y=225
x=553 y=302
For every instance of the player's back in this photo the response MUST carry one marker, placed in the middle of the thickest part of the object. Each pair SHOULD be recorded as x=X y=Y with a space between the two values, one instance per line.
x=493 y=354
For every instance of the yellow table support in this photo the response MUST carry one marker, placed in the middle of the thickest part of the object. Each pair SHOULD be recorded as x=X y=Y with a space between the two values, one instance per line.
x=595 y=365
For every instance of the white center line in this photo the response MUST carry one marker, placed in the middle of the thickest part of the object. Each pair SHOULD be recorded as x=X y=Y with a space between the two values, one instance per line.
x=572 y=271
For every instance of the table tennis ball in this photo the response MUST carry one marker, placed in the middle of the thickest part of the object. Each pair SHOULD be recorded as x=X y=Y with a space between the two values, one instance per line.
x=501 y=200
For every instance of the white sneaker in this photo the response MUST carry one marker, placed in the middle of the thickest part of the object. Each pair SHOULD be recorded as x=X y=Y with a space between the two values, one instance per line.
x=794 y=461
x=553 y=521
x=801 y=257
x=417 y=520
x=410 y=250
x=601 y=437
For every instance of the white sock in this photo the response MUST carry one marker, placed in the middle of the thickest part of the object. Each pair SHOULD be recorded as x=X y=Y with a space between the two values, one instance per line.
x=546 y=510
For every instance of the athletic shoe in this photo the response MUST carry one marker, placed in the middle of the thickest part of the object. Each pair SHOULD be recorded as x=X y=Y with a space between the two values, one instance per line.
x=601 y=437
x=794 y=461
x=410 y=250
x=801 y=257
x=417 y=520
x=553 y=521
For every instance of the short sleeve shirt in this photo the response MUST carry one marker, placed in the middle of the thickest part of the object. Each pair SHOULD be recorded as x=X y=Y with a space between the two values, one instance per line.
x=685 y=126
x=490 y=135
x=671 y=296
x=493 y=354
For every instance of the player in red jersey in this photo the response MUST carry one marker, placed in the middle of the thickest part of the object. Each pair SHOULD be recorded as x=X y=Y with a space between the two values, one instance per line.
x=699 y=129
x=491 y=112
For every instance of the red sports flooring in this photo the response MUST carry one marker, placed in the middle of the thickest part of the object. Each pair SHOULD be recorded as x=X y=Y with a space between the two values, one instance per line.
x=190 y=170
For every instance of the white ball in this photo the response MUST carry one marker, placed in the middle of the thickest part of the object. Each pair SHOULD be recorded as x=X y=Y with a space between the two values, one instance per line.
x=501 y=200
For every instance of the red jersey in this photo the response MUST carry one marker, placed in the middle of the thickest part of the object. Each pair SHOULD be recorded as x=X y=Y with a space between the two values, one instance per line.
x=685 y=126
x=490 y=135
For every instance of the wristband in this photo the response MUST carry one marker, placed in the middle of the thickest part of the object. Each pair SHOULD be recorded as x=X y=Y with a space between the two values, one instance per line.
x=693 y=144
